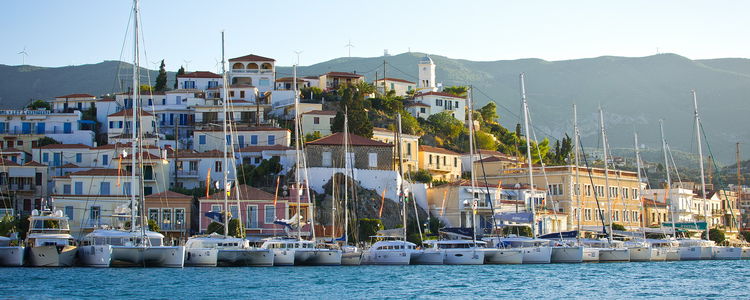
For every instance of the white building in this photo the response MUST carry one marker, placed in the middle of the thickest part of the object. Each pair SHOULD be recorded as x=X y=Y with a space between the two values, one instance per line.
x=440 y=102
x=400 y=86
x=21 y=129
x=253 y=70
x=678 y=200
x=208 y=139
x=426 y=75
x=189 y=169
x=120 y=123
x=70 y=102
x=254 y=155
x=200 y=80
x=239 y=111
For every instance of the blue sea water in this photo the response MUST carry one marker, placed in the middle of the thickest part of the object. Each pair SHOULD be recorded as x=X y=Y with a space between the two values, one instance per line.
x=690 y=279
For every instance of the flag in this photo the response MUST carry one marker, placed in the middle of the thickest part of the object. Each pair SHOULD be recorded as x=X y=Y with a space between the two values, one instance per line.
x=119 y=170
x=228 y=188
x=216 y=216
x=276 y=195
x=382 y=202
x=208 y=182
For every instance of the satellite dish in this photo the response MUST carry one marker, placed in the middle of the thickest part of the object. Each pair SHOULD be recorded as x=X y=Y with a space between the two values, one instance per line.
x=35 y=212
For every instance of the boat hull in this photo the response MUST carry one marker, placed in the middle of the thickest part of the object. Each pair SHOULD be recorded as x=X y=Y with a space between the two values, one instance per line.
x=426 y=257
x=201 y=257
x=707 y=252
x=745 y=252
x=590 y=254
x=567 y=254
x=376 y=257
x=503 y=256
x=11 y=256
x=52 y=256
x=283 y=257
x=98 y=256
x=351 y=258
x=324 y=257
x=463 y=257
x=537 y=255
x=647 y=254
x=245 y=258
x=672 y=254
x=690 y=253
x=614 y=255
x=155 y=256
x=727 y=253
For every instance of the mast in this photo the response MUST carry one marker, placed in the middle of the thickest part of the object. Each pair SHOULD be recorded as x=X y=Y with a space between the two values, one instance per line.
x=669 y=179
x=638 y=168
x=739 y=186
x=700 y=161
x=606 y=174
x=346 y=177
x=401 y=173
x=474 y=202
x=297 y=150
x=134 y=107
x=528 y=155
x=578 y=175
x=224 y=125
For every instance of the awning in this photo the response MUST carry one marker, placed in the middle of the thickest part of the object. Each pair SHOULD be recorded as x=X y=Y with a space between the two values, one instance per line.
x=21 y=172
x=86 y=122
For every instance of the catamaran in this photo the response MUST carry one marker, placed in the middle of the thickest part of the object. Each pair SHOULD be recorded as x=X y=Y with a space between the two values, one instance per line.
x=10 y=256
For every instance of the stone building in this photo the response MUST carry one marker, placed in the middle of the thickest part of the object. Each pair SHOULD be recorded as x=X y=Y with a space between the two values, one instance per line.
x=364 y=153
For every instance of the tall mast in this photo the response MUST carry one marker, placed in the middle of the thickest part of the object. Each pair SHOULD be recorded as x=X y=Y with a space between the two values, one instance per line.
x=700 y=161
x=739 y=186
x=528 y=156
x=606 y=174
x=297 y=150
x=134 y=107
x=224 y=125
x=668 y=188
x=474 y=201
x=401 y=173
x=578 y=175
x=638 y=168
x=346 y=177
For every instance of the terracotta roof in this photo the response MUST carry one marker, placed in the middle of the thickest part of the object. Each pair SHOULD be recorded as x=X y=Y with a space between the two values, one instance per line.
x=321 y=112
x=246 y=193
x=122 y=146
x=432 y=149
x=252 y=57
x=69 y=165
x=101 y=172
x=65 y=146
x=10 y=149
x=289 y=79
x=8 y=163
x=183 y=91
x=417 y=104
x=394 y=79
x=128 y=112
x=438 y=94
x=263 y=148
x=344 y=74
x=199 y=74
x=77 y=96
x=34 y=164
x=246 y=129
x=144 y=154
x=487 y=152
x=168 y=194
x=207 y=154
x=496 y=158
x=337 y=139
x=648 y=202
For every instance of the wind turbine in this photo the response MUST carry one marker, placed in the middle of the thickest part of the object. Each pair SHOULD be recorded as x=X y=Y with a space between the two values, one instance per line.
x=216 y=65
x=23 y=54
x=349 y=45
x=186 y=64
x=298 y=53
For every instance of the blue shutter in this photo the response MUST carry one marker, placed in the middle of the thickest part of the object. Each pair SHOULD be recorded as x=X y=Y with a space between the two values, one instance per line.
x=79 y=157
x=45 y=157
x=105 y=160
x=104 y=188
x=66 y=189
x=202 y=139
x=241 y=140
x=229 y=140
x=253 y=139
x=40 y=128
x=26 y=128
x=67 y=127
x=271 y=140
x=56 y=159
x=79 y=188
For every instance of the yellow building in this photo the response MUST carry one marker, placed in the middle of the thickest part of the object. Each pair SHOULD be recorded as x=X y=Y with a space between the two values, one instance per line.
x=442 y=163
x=318 y=121
x=409 y=146
x=655 y=213
x=561 y=184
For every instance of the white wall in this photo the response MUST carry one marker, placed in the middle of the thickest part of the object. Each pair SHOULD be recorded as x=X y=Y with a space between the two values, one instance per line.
x=377 y=180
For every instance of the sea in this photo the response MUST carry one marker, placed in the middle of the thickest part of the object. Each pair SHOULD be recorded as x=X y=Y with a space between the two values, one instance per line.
x=675 y=280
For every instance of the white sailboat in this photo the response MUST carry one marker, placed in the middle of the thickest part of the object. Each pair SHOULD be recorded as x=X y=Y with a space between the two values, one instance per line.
x=351 y=255
x=674 y=250
x=138 y=246
x=48 y=241
x=10 y=256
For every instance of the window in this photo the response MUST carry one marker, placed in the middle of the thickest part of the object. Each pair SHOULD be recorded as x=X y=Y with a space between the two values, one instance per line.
x=271 y=140
x=166 y=218
x=234 y=211
x=635 y=194
x=455 y=162
x=624 y=193
x=202 y=139
x=69 y=212
x=217 y=166
x=38 y=179
x=269 y=214
x=616 y=216
x=241 y=140
x=438 y=102
x=587 y=214
x=430 y=159
x=79 y=188
x=228 y=138
x=613 y=192
x=253 y=140
x=216 y=207
x=316 y=120
x=95 y=213
x=79 y=157
x=242 y=94
x=104 y=188
x=600 y=191
x=326 y=159
x=66 y=189
x=179 y=218
x=153 y=214
x=587 y=190
x=422 y=110
x=105 y=160
x=555 y=189
x=126 y=189
x=45 y=157
x=577 y=189
x=252 y=216
x=372 y=160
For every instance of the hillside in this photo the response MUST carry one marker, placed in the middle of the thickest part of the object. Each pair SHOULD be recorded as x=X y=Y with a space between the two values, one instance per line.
x=634 y=92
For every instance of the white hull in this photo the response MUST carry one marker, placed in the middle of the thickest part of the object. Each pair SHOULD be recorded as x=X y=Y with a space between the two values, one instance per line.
x=590 y=254
x=727 y=253
x=537 y=255
x=690 y=253
x=745 y=252
x=201 y=257
x=245 y=257
x=49 y=256
x=647 y=254
x=154 y=256
x=283 y=257
x=672 y=254
x=707 y=252
x=567 y=254
x=503 y=256
x=614 y=255
x=426 y=257
x=351 y=258
x=463 y=257
x=324 y=257
x=11 y=256
x=99 y=256
x=386 y=257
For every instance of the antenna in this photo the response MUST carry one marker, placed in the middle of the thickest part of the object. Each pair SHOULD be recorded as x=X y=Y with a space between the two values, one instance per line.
x=298 y=53
x=24 y=54
x=349 y=45
x=217 y=64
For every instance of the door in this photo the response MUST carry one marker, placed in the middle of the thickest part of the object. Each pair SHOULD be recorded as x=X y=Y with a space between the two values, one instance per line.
x=40 y=128
x=67 y=128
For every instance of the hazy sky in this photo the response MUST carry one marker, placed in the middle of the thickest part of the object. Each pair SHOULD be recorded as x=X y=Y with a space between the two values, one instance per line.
x=58 y=33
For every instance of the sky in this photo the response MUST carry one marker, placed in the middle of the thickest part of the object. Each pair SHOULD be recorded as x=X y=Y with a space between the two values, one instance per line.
x=187 y=32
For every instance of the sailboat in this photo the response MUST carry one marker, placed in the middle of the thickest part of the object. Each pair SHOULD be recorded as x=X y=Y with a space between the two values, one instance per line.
x=10 y=256
x=675 y=250
x=232 y=251
x=137 y=246
x=351 y=255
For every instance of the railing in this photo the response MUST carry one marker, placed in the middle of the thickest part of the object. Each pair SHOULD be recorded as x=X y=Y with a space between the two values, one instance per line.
x=94 y=223
x=21 y=187
x=34 y=131
x=439 y=167
x=253 y=71
x=481 y=204
x=192 y=173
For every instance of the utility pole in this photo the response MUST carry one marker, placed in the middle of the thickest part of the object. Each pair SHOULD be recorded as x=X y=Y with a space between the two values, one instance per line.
x=384 y=88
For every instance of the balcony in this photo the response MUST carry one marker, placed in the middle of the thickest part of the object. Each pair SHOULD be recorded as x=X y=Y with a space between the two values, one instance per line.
x=481 y=205
x=439 y=168
x=253 y=71
x=187 y=173
x=21 y=187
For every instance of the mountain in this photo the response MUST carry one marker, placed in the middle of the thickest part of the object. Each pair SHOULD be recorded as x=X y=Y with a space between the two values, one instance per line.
x=635 y=92
x=20 y=84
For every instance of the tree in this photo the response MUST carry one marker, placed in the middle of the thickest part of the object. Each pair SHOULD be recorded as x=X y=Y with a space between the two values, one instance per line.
x=312 y=136
x=368 y=228
x=620 y=227
x=716 y=235
x=181 y=71
x=352 y=101
x=47 y=141
x=485 y=141
x=153 y=226
x=459 y=91
x=489 y=112
x=261 y=174
x=446 y=126
x=434 y=225
x=409 y=124
x=236 y=229
x=37 y=104
x=517 y=230
x=420 y=175
x=146 y=88
x=161 y=79
x=8 y=225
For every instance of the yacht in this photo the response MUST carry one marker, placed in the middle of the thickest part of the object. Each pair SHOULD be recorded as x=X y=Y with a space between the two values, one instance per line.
x=231 y=251
x=670 y=248
x=727 y=253
x=460 y=252
x=608 y=252
x=49 y=241
x=351 y=256
x=590 y=254
x=642 y=251
x=130 y=249
x=10 y=256
x=565 y=247
x=691 y=249
x=535 y=251
x=199 y=255
x=388 y=252
x=90 y=255
x=289 y=251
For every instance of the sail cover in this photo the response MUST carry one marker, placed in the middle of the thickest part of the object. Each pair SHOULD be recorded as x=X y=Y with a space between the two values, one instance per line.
x=522 y=217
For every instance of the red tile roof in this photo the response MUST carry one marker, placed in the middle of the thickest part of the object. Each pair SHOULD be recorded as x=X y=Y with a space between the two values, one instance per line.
x=263 y=148
x=199 y=74
x=122 y=146
x=144 y=154
x=65 y=146
x=8 y=163
x=128 y=112
x=394 y=79
x=438 y=94
x=252 y=57
x=246 y=193
x=321 y=112
x=69 y=166
x=497 y=158
x=432 y=149
x=10 y=149
x=344 y=74
x=101 y=172
x=34 y=164
x=207 y=154
x=77 y=96
x=168 y=194
x=337 y=139
x=289 y=79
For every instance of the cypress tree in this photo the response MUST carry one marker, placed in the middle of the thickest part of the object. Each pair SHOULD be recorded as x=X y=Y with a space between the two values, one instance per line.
x=179 y=72
x=161 y=79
